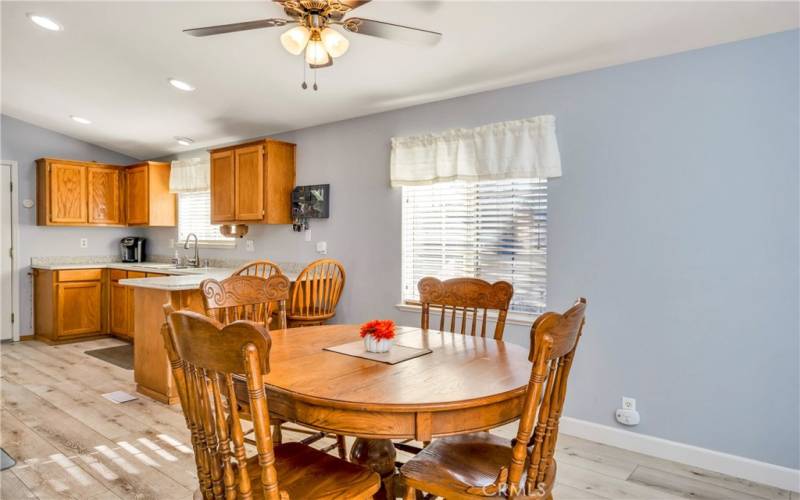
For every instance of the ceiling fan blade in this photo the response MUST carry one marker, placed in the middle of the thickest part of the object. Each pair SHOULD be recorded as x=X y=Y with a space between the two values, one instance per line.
x=291 y=7
x=231 y=28
x=391 y=31
x=338 y=8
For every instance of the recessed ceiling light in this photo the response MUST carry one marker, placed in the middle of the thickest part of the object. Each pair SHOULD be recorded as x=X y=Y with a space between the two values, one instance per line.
x=44 y=22
x=82 y=121
x=181 y=85
x=184 y=141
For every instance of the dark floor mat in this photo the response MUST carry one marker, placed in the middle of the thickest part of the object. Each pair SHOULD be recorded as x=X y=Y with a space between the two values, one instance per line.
x=6 y=462
x=121 y=355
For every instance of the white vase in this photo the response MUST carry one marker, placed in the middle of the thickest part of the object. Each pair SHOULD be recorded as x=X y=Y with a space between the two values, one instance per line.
x=371 y=344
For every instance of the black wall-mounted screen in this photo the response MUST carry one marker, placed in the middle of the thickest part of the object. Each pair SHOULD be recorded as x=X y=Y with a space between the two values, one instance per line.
x=311 y=202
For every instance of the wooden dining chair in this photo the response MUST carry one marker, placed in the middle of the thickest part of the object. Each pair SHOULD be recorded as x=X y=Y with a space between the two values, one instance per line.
x=252 y=298
x=261 y=268
x=463 y=300
x=316 y=293
x=246 y=297
x=210 y=355
x=482 y=464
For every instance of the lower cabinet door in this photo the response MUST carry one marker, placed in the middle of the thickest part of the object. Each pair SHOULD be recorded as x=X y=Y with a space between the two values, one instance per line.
x=120 y=320
x=131 y=316
x=79 y=307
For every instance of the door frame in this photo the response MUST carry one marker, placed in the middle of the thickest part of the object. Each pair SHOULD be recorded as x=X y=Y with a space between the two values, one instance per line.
x=15 y=269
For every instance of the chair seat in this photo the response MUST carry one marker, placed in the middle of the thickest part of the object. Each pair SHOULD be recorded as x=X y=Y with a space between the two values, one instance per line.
x=449 y=466
x=304 y=472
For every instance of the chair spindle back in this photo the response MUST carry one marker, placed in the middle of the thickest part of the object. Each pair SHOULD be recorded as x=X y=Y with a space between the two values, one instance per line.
x=317 y=291
x=246 y=297
x=463 y=299
x=261 y=268
x=554 y=338
x=210 y=355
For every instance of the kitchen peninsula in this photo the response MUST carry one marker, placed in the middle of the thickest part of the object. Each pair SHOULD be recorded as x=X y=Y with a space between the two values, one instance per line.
x=151 y=370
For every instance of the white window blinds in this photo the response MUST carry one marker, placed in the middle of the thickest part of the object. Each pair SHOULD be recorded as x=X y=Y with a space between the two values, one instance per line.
x=493 y=230
x=194 y=216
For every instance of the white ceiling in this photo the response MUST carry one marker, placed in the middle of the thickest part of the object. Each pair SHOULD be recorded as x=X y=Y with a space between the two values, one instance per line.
x=112 y=60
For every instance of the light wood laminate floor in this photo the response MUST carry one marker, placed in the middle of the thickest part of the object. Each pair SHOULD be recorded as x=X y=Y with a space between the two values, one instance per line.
x=69 y=442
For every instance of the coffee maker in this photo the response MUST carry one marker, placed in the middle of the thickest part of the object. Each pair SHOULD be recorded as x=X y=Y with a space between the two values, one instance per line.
x=131 y=249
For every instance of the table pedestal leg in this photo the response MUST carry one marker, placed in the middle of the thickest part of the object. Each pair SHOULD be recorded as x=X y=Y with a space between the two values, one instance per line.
x=378 y=455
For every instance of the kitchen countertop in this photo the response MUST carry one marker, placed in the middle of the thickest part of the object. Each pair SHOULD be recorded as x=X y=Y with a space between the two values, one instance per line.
x=186 y=281
x=187 y=278
x=144 y=267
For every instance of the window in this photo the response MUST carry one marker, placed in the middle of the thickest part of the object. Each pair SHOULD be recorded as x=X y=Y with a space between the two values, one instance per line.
x=194 y=216
x=493 y=230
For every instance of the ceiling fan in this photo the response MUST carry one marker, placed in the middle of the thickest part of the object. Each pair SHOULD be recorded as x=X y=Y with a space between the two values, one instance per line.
x=314 y=34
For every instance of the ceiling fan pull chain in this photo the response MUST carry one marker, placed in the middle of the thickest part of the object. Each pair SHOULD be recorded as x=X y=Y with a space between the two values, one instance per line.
x=304 y=85
x=315 y=80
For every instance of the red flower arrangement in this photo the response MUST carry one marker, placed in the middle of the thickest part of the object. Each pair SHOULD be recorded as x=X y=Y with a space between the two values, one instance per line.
x=379 y=329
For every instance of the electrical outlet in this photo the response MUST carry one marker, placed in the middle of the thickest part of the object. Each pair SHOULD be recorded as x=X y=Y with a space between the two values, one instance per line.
x=84 y=242
x=250 y=246
x=627 y=415
x=322 y=247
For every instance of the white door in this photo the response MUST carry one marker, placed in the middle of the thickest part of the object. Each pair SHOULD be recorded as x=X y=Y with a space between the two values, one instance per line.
x=6 y=253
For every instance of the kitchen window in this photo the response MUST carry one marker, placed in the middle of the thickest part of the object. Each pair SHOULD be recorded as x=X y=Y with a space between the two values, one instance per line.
x=194 y=216
x=492 y=230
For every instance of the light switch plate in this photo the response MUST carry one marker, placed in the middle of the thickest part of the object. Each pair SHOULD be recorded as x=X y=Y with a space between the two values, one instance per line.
x=322 y=247
x=250 y=246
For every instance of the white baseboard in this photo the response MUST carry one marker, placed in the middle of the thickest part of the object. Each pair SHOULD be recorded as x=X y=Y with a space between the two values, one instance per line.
x=724 y=463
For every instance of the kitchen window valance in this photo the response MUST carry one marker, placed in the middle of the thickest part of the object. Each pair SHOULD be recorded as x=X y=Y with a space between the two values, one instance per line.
x=189 y=176
x=520 y=149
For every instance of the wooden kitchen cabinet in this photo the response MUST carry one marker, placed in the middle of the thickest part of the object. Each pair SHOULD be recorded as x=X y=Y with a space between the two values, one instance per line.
x=104 y=191
x=252 y=183
x=121 y=311
x=61 y=192
x=118 y=305
x=74 y=193
x=68 y=304
x=148 y=200
x=223 y=190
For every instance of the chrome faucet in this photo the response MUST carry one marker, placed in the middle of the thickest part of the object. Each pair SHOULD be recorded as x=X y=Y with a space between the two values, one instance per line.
x=192 y=262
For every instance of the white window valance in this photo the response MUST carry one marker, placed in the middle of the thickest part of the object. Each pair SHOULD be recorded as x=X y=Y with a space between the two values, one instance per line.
x=189 y=176
x=521 y=149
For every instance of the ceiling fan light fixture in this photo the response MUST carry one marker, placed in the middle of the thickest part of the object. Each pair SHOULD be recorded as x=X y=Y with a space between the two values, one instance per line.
x=316 y=53
x=295 y=39
x=334 y=42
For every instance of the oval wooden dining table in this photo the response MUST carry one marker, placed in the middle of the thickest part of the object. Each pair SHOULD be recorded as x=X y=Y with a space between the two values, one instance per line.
x=465 y=384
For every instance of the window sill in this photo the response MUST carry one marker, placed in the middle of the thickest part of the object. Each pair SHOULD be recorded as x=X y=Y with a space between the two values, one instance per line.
x=521 y=319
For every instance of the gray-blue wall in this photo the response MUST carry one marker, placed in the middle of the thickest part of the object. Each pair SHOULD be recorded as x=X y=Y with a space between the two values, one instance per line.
x=677 y=217
x=25 y=143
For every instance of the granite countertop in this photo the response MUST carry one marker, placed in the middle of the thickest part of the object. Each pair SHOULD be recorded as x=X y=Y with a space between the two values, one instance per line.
x=185 y=278
x=144 y=267
x=186 y=281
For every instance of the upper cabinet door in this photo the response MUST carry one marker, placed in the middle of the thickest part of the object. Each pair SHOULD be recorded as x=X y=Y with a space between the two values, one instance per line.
x=249 y=183
x=67 y=193
x=222 y=187
x=137 y=195
x=104 y=195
